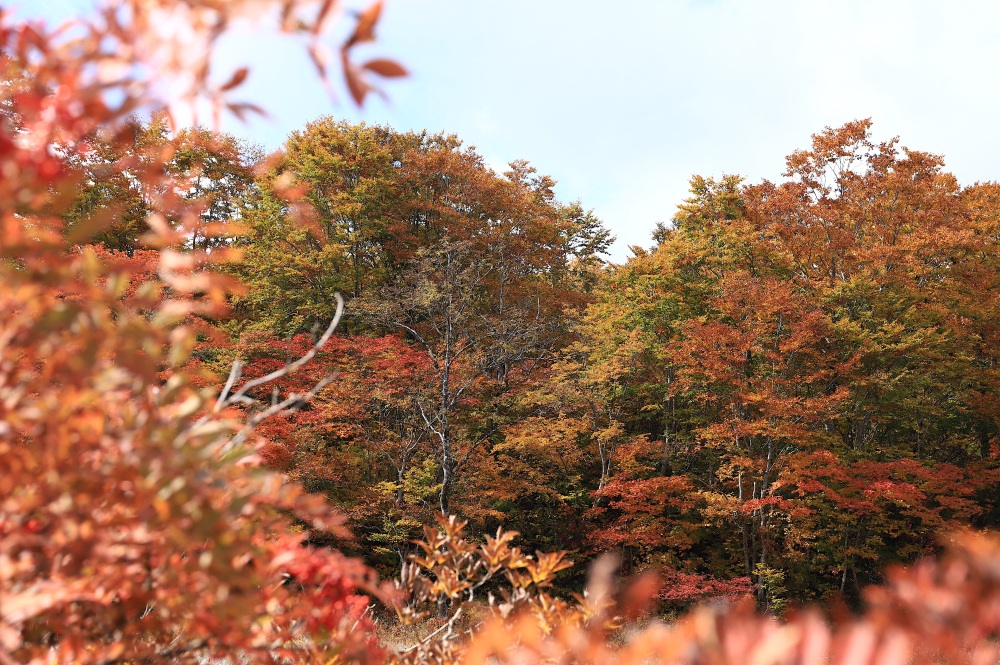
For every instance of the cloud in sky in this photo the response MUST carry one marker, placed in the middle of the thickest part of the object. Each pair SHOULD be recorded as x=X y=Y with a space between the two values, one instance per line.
x=623 y=101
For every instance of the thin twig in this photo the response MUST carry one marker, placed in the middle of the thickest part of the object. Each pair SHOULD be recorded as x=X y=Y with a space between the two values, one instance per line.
x=234 y=375
x=449 y=625
x=292 y=402
x=293 y=366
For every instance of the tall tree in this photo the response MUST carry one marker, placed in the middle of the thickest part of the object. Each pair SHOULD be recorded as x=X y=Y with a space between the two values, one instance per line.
x=487 y=303
x=368 y=186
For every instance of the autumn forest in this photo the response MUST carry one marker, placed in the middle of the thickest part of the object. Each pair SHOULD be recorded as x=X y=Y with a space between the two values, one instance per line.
x=794 y=388
x=285 y=404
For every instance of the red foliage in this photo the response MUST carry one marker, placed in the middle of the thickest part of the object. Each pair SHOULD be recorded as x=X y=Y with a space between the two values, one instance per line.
x=684 y=588
x=133 y=524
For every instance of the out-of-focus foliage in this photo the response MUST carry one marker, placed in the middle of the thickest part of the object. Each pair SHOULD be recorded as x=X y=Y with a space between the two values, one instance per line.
x=119 y=171
x=135 y=523
x=934 y=612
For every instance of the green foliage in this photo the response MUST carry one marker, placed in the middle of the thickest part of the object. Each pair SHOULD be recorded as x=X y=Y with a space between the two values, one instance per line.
x=818 y=323
x=771 y=588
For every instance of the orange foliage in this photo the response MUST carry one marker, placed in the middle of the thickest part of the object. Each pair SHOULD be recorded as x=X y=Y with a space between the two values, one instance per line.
x=934 y=612
x=136 y=526
x=133 y=524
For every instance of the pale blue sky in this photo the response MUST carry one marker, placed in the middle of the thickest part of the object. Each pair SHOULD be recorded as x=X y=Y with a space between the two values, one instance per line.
x=621 y=102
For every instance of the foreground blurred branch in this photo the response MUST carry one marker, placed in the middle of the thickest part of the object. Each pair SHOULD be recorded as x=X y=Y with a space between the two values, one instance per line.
x=292 y=402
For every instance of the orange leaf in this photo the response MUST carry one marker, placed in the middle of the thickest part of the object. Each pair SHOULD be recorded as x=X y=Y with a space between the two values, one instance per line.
x=322 y=16
x=236 y=79
x=320 y=57
x=364 y=31
x=386 y=68
x=242 y=109
x=356 y=84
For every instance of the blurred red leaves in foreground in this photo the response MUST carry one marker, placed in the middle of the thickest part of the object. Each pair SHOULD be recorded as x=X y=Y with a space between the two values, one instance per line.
x=945 y=611
x=133 y=527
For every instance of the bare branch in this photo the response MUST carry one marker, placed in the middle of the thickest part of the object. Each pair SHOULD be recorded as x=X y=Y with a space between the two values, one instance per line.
x=292 y=403
x=293 y=366
x=234 y=376
x=449 y=625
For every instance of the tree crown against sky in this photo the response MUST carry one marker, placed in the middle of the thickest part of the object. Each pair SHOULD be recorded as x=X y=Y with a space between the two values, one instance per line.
x=676 y=88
